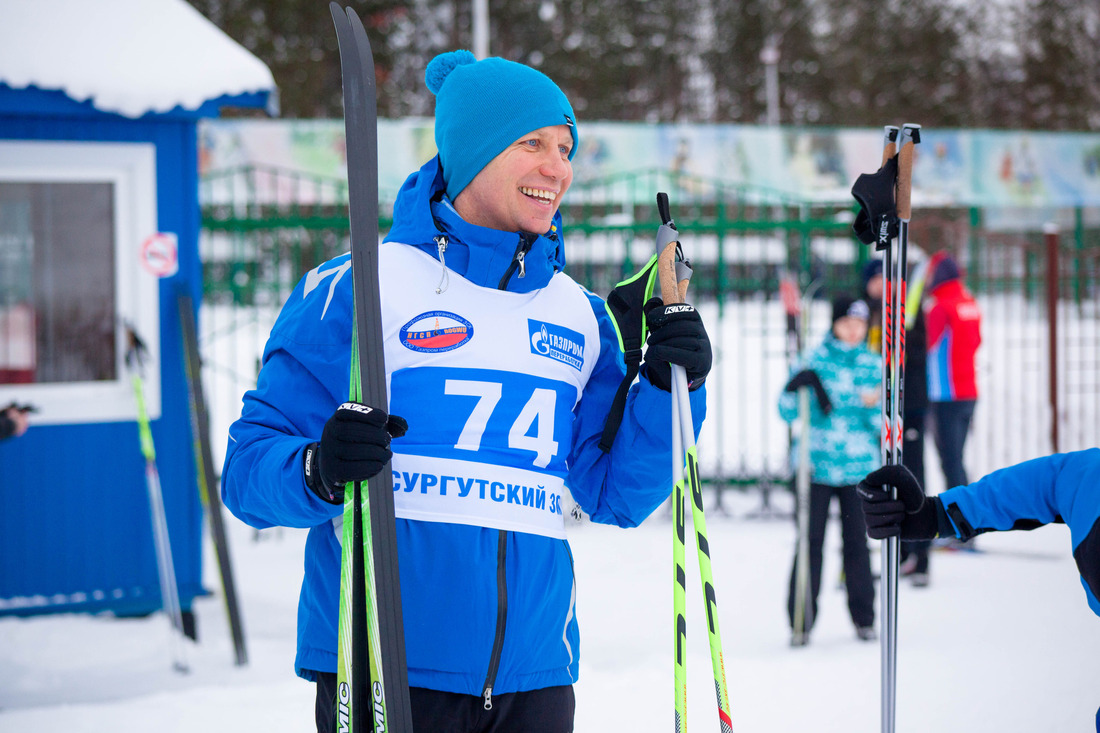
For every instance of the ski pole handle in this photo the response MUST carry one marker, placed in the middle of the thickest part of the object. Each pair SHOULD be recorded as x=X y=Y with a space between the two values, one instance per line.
x=910 y=136
x=889 y=142
x=673 y=272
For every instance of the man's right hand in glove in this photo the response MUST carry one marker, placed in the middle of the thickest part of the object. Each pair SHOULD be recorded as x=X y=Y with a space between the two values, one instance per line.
x=911 y=516
x=809 y=378
x=354 y=446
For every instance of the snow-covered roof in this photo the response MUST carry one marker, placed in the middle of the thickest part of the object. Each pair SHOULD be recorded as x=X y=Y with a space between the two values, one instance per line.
x=125 y=56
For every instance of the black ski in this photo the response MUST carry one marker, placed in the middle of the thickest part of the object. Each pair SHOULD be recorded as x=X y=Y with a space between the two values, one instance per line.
x=373 y=692
x=204 y=465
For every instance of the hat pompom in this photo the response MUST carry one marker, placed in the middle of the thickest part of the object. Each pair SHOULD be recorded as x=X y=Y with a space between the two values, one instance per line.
x=444 y=64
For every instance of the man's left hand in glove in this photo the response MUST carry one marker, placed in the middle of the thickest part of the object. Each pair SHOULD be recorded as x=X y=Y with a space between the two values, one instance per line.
x=676 y=336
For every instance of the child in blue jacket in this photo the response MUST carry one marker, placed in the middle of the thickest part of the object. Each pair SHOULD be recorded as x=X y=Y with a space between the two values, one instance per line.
x=845 y=376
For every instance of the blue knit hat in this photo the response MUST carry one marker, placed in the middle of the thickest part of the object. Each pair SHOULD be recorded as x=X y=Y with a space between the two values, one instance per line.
x=482 y=107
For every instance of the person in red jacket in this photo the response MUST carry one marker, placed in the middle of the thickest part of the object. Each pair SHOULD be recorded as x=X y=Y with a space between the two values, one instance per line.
x=953 y=322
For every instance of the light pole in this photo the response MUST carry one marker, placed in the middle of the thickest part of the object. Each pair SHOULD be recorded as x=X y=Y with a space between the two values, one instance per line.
x=481 y=28
x=769 y=56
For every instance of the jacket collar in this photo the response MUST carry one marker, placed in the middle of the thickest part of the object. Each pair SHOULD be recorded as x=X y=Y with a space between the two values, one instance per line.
x=422 y=214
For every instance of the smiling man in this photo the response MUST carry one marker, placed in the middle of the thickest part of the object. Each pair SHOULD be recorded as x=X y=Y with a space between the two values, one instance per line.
x=505 y=370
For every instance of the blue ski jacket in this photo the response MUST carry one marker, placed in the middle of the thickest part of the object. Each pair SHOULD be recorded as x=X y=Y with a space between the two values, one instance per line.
x=1063 y=488
x=485 y=609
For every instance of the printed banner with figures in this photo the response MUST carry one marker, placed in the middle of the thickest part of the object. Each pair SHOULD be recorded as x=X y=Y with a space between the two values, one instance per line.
x=951 y=167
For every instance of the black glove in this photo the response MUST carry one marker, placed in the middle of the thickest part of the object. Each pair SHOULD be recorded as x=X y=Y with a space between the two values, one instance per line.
x=809 y=378
x=676 y=336
x=909 y=516
x=355 y=445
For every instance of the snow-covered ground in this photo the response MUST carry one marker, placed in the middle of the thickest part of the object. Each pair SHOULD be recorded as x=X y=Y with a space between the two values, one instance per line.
x=1001 y=641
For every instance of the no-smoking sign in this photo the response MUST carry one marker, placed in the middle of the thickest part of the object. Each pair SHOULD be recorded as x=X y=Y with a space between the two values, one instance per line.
x=160 y=254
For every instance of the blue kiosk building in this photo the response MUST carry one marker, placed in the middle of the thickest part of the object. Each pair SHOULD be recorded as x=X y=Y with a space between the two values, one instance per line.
x=99 y=228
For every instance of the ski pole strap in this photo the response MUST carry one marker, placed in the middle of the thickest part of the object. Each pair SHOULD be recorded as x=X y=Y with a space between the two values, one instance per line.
x=625 y=306
x=877 y=220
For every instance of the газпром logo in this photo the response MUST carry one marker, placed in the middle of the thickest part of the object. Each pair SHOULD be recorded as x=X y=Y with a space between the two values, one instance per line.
x=556 y=342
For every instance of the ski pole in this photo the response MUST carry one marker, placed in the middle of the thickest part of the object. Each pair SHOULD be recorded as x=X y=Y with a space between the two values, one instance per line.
x=803 y=605
x=679 y=581
x=166 y=572
x=673 y=273
x=889 y=552
x=894 y=295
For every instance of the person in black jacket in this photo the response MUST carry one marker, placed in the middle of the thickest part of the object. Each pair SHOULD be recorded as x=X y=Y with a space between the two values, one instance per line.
x=914 y=555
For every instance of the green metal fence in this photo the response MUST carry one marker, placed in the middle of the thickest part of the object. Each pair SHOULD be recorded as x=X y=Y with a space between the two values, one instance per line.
x=1039 y=364
x=263 y=228
x=266 y=226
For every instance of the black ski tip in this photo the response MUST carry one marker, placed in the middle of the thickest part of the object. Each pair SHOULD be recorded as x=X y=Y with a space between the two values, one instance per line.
x=366 y=54
x=357 y=25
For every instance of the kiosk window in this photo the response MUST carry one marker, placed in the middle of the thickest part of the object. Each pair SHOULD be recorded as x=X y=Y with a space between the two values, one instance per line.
x=57 y=283
x=74 y=220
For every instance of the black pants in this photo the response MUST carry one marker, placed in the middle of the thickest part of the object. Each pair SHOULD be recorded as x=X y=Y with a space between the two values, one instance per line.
x=549 y=710
x=950 y=426
x=857 y=558
x=912 y=456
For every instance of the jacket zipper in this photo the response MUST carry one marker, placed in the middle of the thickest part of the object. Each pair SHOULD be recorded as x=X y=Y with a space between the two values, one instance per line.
x=441 y=247
x=526 y=241
x=502 y=617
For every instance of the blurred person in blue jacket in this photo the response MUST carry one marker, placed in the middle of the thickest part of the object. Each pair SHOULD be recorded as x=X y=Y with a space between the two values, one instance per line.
x=1063 y=488
x=504 y=371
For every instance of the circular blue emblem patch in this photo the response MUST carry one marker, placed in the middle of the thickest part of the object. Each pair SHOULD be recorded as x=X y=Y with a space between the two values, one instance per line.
x=436 y=331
